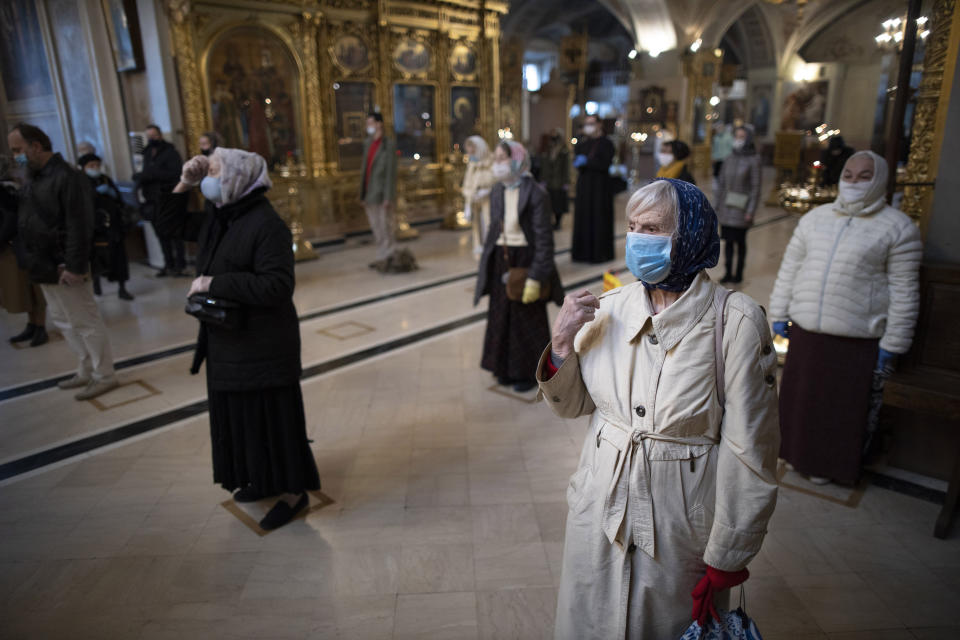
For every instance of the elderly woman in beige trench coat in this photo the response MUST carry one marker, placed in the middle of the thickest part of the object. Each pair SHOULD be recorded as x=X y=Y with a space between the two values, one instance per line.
x=676 y=480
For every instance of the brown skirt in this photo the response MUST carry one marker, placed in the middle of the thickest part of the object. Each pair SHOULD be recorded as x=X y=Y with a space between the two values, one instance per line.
x=516 y=333
x=824 y=402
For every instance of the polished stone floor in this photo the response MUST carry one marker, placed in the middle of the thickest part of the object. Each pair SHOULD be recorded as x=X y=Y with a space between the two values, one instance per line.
x=443 y=501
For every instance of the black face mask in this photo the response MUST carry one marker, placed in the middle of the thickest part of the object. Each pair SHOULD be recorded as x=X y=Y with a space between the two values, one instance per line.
x=206 y=152
x=153 y=143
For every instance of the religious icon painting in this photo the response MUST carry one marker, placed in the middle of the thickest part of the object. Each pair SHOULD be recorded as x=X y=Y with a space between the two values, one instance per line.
x=351 y=54
x=463 y=62
x=411 y=56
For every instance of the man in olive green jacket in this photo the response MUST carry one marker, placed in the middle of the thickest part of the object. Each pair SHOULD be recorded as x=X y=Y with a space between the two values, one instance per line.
x=379 y=188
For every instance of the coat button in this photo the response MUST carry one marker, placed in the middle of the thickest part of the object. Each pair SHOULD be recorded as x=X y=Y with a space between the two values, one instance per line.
x=766 y=350
x=641 y=411
x=653 y=339
x=770 y=380
x=631 y=548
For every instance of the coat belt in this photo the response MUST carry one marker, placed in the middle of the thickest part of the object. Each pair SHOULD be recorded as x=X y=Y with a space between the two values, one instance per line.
x=631 y=483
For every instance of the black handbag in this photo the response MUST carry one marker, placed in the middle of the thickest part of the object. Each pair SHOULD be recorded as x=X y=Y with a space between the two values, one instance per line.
x=215 y=311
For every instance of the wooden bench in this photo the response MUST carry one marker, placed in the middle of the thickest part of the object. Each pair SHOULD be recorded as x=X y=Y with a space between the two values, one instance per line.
x=927 y=381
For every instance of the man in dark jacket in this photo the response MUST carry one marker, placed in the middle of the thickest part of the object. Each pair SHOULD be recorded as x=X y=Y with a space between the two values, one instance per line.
x=161 y=172
x=55 y=227
x=109 y=233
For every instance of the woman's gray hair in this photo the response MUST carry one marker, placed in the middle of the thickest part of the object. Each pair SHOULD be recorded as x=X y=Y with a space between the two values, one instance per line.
x=658 y=195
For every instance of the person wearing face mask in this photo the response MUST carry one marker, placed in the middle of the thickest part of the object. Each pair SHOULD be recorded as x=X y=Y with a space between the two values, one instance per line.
x=593 y=205
x=737 y=197
x=555 y=174
x=721 y=146
x=245 y=256
x=378 y=192
x=673 y=161
x=847 y=295
x=677 y=475
x=520 y=236
x=161 y=168
x=54 y=236
x=17 y=293
x=109 y=232
x=208 y=142
x=477 y=181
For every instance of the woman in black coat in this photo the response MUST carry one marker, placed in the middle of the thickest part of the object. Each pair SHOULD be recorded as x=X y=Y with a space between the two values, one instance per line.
x=520 y=234
x=245 y=255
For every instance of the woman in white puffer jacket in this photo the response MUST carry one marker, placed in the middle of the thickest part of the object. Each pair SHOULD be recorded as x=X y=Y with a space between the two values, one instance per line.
x=848 y=282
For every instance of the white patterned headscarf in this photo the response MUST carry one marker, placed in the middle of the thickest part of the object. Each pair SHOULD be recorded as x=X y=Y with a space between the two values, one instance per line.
x=240 y=173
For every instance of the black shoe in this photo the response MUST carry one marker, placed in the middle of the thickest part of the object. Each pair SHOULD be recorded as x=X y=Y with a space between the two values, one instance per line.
x=726 y=278
x=504 y=381
x=96 y=287
x=163 y=273
x=248 y=494
x=736 y=279
x=124 y=294
x=282 y=513
x=39 y=337
x=26 y=334
x=524 y=385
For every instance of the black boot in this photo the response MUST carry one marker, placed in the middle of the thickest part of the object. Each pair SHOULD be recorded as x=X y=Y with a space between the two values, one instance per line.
x=96 y=286
x=39 y=337
x=726 y=278
x=26 y=334
x=124 y=294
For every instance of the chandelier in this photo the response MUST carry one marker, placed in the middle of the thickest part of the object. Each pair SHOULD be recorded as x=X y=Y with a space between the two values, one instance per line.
x=891 y=38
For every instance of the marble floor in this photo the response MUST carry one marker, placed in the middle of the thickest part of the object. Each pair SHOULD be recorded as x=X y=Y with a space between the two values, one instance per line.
x=443 y=501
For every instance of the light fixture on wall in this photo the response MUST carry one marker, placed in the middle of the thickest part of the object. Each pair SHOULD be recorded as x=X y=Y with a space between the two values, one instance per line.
x=696 y=45
x=891 y=38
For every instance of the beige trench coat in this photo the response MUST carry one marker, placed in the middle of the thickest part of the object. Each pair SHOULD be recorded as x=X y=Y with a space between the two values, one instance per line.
x=667 y=481
x=477 y=182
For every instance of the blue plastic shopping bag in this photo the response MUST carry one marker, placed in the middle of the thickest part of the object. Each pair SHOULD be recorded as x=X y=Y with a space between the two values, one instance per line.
x=734 y=625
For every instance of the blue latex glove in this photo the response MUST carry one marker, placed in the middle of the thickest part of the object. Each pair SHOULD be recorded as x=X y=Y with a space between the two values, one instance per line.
x=886 y=360
x=580 y=160
x=107 y=190
x=781 y=329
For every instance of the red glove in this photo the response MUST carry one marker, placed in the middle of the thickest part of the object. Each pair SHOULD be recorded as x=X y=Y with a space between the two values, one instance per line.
x=549 y=370
x=710 y=584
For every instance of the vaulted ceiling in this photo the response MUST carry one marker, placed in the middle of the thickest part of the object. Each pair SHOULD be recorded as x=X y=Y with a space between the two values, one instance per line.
x=763 y=32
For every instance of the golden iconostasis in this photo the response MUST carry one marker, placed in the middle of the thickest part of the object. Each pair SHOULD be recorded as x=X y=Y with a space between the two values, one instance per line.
x=294 y=82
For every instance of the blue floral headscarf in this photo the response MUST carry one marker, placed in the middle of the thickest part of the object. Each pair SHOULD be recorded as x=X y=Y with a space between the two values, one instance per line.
x=696 y=245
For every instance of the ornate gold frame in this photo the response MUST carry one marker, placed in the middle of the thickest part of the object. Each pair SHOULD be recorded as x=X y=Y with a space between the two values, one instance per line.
x=309 y=29
x=929 y=119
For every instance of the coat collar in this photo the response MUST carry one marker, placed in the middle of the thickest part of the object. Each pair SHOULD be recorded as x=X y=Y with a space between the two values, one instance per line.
x=675 y=322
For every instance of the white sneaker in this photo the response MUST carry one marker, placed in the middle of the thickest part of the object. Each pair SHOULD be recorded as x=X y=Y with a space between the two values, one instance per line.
x=97 y=388
x=75 y=382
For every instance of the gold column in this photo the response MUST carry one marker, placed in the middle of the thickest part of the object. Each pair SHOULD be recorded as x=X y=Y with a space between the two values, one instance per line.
x=308 y=37
x=930 y=113
x=191 y=86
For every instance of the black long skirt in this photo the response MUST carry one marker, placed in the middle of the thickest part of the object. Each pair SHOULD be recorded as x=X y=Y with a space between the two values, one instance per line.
x=259 y=438
x=517 y=333
x=824 y=402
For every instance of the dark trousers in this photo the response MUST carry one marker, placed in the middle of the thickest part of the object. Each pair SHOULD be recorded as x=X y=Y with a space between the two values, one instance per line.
x=734 y=238
x=717 y=165
x=173 y=253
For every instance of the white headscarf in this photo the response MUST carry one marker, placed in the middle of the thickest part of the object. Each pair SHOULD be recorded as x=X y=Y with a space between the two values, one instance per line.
x=240 y=173
x=875 y=198
x=480 y=147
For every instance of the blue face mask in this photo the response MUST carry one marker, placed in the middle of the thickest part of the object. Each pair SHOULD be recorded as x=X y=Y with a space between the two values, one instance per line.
x=210 y=188
x=474 y=159
x=648 y=256
x=20 y=159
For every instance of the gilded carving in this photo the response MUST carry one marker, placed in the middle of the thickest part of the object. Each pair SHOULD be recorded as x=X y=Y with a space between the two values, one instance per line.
x=412 y=54
x=463 y=61
x=922 y=164
x=191 y=88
